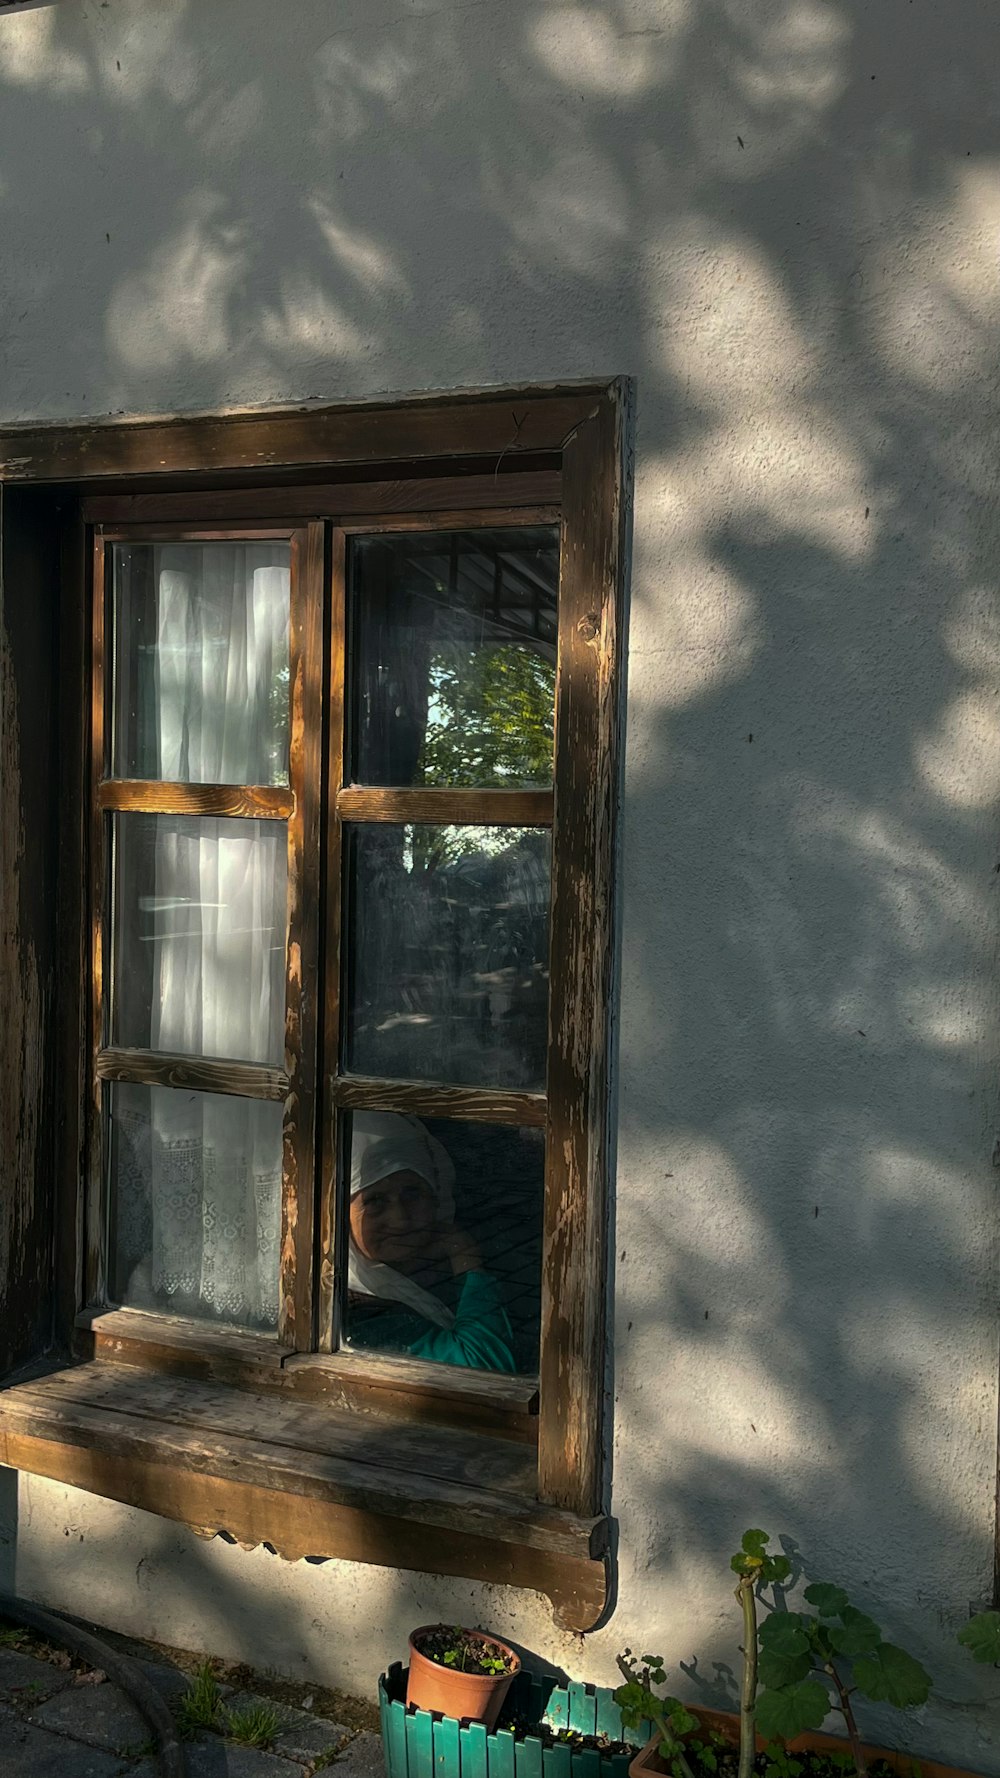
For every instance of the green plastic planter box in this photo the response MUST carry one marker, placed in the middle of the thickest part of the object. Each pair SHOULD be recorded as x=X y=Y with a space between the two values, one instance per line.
x=419 y=1745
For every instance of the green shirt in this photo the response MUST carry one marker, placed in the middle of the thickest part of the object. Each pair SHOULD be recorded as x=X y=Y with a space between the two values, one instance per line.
x=481 y=1338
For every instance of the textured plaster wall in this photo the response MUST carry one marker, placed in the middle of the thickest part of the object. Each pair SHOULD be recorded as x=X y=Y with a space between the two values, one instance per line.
x=782 y=216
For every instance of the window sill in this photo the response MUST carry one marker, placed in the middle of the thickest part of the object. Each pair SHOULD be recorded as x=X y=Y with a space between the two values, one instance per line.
x=323 y=1480
x=406 y=1388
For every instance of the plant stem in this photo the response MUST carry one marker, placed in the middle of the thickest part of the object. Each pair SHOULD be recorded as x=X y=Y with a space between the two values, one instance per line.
x=748 y=1693
x=675 y=1750
x=847 y=1713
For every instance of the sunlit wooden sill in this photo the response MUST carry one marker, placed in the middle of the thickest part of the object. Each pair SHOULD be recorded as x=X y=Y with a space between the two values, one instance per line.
x=307 y=1478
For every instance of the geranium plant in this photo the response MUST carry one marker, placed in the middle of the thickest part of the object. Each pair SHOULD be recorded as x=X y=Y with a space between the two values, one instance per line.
x=638 y=1699
x=755 y=1569
x=813 y=1662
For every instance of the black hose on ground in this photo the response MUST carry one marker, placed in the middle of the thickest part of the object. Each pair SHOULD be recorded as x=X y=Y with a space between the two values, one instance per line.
x=120 y=1668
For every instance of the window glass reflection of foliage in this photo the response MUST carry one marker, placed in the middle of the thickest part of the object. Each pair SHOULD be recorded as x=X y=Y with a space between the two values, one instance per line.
x=489 y=723
x=279 y=712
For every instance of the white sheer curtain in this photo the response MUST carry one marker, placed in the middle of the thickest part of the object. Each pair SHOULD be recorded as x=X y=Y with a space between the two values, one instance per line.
x=198 y=1174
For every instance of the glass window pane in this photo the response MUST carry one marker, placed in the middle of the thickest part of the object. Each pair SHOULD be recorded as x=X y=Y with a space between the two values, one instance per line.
x=448 y=943
x=199 y=936
x=195 y=1204
x=454 y=657
x=200 y=662
x=445 y=1240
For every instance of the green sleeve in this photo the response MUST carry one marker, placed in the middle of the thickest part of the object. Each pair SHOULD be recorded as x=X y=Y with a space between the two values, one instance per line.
x=481 y=1337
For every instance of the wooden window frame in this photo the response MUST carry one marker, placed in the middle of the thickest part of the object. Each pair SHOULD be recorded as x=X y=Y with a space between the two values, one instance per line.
x=308 y=475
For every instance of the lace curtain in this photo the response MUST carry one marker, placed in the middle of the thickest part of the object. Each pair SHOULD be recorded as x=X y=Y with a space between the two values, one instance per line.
x=200 y=914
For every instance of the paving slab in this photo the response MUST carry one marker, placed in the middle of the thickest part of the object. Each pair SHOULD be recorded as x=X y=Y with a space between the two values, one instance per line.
x=98 y=1714
x=214 y=1758
x=170 y=1682
x=29 y=1752
x=361 y=1758
x=25 y=1679
x=302 y=1736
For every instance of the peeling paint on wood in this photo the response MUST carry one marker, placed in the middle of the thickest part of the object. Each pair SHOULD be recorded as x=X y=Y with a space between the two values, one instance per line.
x=572 y=1467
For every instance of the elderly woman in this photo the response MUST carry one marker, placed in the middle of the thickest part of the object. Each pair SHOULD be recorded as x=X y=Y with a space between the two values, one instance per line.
x=417 y=1284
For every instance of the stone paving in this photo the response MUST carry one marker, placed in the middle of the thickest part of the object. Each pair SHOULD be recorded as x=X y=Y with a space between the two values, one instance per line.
x=57 y=1722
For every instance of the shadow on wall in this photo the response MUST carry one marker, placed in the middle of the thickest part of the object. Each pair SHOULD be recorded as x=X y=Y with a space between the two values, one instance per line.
x=781 y=216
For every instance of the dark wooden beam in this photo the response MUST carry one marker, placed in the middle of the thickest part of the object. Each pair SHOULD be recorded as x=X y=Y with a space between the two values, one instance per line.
x=447 y=808
x=572 y=1459
x=358 y=499
x=201 y=1074
x=460 y=425
x=429 y=1098
x=139 y=795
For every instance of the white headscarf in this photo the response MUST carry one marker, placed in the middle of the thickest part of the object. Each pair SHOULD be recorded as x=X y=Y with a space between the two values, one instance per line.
x=383 y=1143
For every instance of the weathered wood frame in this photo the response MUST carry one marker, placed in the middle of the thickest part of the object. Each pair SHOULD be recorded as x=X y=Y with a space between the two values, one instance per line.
x=300 y=468
x=298 y=807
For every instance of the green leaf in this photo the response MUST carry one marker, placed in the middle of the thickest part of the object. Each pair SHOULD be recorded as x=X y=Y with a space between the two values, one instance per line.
x=981 y=1636
x=741 y=1564
x=785 y=1633
x=792 y=1709
x=777 y=1568
x=679 y=1717
x=888 y=1674
x=856 y=1634
x=829 y=1601
x=754 y=1543
x=635 y=1702
x=779 y=1670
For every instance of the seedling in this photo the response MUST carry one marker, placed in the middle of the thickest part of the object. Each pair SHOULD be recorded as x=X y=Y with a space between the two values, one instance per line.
x=198 y=1707
x=637 y=1699
x=466 y=1652
x=254 y=1726
x=812 y=1664
x=755 y=1569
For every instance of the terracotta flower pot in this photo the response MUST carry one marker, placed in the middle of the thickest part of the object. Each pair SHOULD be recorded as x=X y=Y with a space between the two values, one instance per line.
x=471 y=1697
x=649 y=1764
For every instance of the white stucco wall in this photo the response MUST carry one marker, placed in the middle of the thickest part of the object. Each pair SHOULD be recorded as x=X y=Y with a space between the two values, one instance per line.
x=782 y=217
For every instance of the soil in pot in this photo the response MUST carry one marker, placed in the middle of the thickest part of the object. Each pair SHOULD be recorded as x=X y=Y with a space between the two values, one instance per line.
x=712 y=1751
x=710 y=1760
x=524 y=1728
x=461 y=1673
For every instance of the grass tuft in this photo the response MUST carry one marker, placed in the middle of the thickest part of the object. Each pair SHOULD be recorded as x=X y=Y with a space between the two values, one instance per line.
x=254 y=1726
x=198 y=1707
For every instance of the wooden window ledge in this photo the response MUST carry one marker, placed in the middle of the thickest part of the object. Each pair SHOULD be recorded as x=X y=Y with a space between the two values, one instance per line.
x=308 y=1478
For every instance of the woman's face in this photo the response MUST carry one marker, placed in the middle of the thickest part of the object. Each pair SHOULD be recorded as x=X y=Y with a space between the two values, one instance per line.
x=392 y=1222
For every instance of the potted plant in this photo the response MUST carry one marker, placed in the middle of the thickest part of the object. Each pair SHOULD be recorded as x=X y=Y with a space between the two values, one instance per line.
x=808 y=1663
x=461 y=1673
